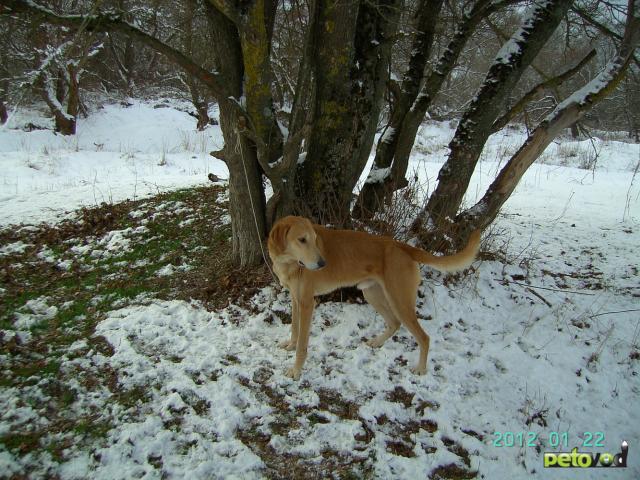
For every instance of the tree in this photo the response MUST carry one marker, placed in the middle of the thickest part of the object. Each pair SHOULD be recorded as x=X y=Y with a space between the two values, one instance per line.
x=441 y=211
x=477 y=122
x=193 y=45
x=565 y=114
x=58 y=78
x=310 y=137
x=413 y=98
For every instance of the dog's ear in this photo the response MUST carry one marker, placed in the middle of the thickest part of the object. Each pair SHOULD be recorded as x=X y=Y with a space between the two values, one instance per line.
x=278 y=237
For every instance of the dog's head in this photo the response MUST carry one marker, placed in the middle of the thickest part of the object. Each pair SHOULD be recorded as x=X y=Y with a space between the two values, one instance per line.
x=293 y=239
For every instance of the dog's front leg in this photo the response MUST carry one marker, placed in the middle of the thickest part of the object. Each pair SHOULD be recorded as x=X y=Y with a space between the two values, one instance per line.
x=295 y=316
x=305 y=311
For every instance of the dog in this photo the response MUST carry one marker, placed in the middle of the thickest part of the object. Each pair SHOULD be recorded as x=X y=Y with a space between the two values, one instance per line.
x=311 y=260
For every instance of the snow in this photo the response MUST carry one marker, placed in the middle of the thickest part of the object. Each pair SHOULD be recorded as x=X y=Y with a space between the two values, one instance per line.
x=513 y=46
x=34 y=312
x=388 y=136
x=378 y=175
x=170 y=269
x=581 y=96
x=510 y=48
x=16 y=247
x=542 y=343
x=118 y=153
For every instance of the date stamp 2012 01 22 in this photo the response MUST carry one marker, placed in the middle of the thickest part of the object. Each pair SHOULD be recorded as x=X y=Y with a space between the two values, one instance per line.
x=554 y=439
x=572 y=459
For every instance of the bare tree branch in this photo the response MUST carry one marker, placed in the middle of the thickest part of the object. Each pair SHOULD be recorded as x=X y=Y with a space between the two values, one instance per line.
x=226 y=8
x=113 y=22
x=538 y=90
x=566 y=113
x=601 y=27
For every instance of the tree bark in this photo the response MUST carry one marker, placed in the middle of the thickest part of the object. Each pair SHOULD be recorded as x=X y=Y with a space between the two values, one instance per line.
x=352 y=43
x=567 y=113
x=255 y=28
x=380 y=183
x=73 y=91
x=476 y=124
x=4 y=116
x=246 y=193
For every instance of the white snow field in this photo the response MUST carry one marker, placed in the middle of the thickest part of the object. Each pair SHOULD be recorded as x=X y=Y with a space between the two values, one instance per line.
x=117 y=153
x=535 y=351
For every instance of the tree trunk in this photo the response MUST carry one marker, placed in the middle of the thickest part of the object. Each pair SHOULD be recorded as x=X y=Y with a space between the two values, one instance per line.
x=575 y=133
x=394 y=148
x=4 y=116
x=202 y=109
x=380 y=183
x=73 y=100
x=200 y=103
x=284 y=200
x=352 y=53
x=566 y=114
x=255 y=30
x=476 y=124
x=53 y=97
x=246 y=193
x=65 y=125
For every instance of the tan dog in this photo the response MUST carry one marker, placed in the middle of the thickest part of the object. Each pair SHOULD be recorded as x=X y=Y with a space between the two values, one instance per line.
x=312 y=260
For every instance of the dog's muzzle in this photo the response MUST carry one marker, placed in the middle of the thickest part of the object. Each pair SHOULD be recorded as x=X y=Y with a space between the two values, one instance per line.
x=319 y=264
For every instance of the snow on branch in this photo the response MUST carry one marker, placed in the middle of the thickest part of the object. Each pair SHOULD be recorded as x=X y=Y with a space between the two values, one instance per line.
x=513 y=47
x=52 y=56
x=113 y=22
x=378 y=175
x=608 y=79
x=567 y=112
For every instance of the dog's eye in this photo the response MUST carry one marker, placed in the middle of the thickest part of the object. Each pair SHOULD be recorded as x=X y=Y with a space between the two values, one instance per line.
x=302 y=240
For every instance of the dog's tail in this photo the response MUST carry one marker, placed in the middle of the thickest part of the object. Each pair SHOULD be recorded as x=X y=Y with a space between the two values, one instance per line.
x=451 y=263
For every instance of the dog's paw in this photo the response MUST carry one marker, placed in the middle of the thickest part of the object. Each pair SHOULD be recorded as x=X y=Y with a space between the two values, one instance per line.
x=418 y=370
x=375 y=342
x=288 y=345
x=293 y=373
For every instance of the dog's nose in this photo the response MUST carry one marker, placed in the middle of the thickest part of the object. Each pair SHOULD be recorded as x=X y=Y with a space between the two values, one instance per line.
x=321 y=263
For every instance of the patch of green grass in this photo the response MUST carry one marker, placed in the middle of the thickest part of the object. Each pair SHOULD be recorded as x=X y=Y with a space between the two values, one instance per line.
x=68 y=316
x=51 y=367
x=20 y=442
x=182 y=195
x=90 y=427
x=92 y=288
x=95 y=286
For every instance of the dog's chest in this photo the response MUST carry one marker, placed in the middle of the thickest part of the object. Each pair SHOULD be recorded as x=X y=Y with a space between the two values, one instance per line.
x=285 y=272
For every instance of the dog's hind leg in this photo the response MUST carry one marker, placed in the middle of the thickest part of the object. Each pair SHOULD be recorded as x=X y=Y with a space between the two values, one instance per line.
x=401 y=290
x=375 y=296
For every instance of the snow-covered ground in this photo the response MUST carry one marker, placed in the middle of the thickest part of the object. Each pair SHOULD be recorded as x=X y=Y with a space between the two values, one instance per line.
x=118 y=153
x=542 y=348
